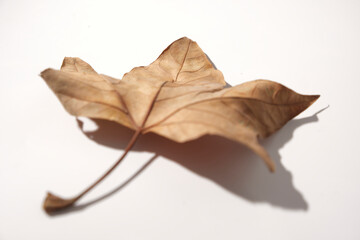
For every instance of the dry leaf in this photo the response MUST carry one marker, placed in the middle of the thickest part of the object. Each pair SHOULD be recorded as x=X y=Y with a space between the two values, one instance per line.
x=179 y=96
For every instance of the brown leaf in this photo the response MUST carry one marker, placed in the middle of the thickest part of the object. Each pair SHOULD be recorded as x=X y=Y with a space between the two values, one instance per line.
x=179 y=96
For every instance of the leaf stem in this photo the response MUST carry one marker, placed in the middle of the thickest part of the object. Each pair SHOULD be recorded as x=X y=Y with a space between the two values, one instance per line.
x=54 y=203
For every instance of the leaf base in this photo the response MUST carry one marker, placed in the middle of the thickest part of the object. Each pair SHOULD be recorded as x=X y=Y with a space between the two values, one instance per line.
x=53 y=203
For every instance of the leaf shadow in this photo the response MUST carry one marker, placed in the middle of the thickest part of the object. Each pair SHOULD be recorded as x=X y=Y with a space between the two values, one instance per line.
x=226 y=163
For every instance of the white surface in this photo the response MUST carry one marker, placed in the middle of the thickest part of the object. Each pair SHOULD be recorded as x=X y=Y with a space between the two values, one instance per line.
x=207 y=189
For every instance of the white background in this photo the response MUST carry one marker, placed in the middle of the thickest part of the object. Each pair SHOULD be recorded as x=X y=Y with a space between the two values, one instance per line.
x=207 y=189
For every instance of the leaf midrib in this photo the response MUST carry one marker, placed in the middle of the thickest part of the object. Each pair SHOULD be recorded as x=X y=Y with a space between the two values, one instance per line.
x=220 y=98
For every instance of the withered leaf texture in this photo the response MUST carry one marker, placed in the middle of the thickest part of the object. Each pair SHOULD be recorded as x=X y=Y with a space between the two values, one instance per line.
x=180 y=96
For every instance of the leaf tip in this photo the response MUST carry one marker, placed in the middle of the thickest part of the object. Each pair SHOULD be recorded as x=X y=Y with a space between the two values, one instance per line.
x=315 y=97
x=45 y=73
x=270 y=164
x=184 y=37
x=311 y=99
x=272 y=168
